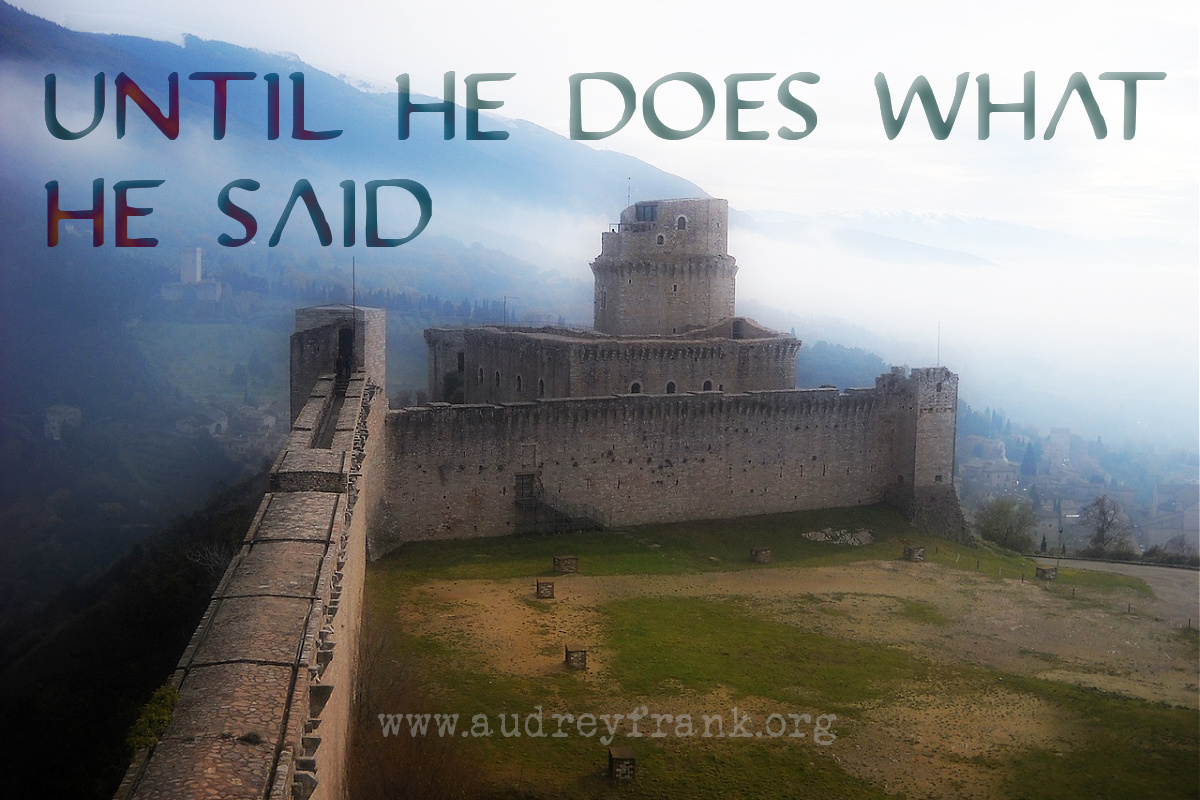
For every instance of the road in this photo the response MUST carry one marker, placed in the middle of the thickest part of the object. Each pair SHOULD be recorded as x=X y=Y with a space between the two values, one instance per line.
x=1177 y=590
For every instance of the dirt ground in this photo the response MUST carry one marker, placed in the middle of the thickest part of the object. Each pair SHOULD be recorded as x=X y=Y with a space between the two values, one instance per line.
x=922 y=741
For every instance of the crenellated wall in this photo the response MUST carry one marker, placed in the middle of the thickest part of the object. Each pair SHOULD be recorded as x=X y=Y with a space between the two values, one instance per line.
x=455 y=471
x=505 y=365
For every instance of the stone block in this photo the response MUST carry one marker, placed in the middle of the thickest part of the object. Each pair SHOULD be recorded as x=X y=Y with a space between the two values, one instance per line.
x=622 y=766
x=576 y=657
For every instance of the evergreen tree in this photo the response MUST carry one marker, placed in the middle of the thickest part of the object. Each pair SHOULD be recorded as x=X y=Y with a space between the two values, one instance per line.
x=1029 y=462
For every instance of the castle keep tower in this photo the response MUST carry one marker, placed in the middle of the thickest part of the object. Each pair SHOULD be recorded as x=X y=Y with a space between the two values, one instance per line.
x=664 y=324
x=665 y=269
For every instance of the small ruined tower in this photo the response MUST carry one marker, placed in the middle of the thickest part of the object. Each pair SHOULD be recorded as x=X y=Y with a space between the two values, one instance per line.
x=665 y=269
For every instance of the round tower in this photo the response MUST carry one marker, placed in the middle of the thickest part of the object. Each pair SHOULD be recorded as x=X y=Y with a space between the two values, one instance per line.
x=665 y=269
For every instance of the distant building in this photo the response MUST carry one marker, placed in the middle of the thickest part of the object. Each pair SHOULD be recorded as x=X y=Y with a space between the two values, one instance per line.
x=250 y=420
x=1175 y=511
x=191 y=280
x=1059 y=449
x=992 y=475
x=191 y=268
x=206 y=418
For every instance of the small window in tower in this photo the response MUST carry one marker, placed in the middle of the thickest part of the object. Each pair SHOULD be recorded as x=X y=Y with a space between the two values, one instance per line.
x=603 y=299
x=674 y=287
x=481 y=374
x=541 y=388
x=636 y=388
x=670 y=387
x=462 y=361
x=497 y=379
x=518 y=383
x=708 y=386
x=681 y=223
x=661 y=240
x=939 y=386
x=937 y=478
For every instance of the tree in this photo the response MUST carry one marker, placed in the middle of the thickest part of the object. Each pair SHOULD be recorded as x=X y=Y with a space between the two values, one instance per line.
x=1109 y=532
x=1180 y=543
x=1030 y=461
x=1008 y=521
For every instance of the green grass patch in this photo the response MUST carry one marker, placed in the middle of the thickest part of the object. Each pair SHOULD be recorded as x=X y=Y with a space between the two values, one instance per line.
x=153 y=720
x=921 y=611
x=703 y=546
x=1092 y=580
x=1122 y=748
x=696 y=645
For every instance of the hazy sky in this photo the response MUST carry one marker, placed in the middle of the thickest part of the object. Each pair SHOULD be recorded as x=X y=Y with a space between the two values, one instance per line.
x=1113 y=322
x=1110 y=187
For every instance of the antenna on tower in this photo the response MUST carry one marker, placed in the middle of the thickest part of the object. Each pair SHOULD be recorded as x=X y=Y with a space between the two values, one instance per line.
x=939 y=345
x=353 y=286
x=627 y=191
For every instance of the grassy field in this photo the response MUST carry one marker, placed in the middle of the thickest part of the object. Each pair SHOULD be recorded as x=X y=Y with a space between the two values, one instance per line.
x=702 y=656
x=706 y=546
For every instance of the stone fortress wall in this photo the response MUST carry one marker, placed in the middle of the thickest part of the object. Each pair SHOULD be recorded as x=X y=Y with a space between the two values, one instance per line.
x=506 y=365
x=457 y=471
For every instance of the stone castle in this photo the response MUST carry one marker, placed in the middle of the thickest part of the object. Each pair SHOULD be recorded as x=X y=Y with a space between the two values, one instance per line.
x=664 y=324
x=672 y=409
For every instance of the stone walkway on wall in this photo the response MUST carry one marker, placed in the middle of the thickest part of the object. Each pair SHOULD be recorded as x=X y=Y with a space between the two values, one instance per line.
x=250 y=682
